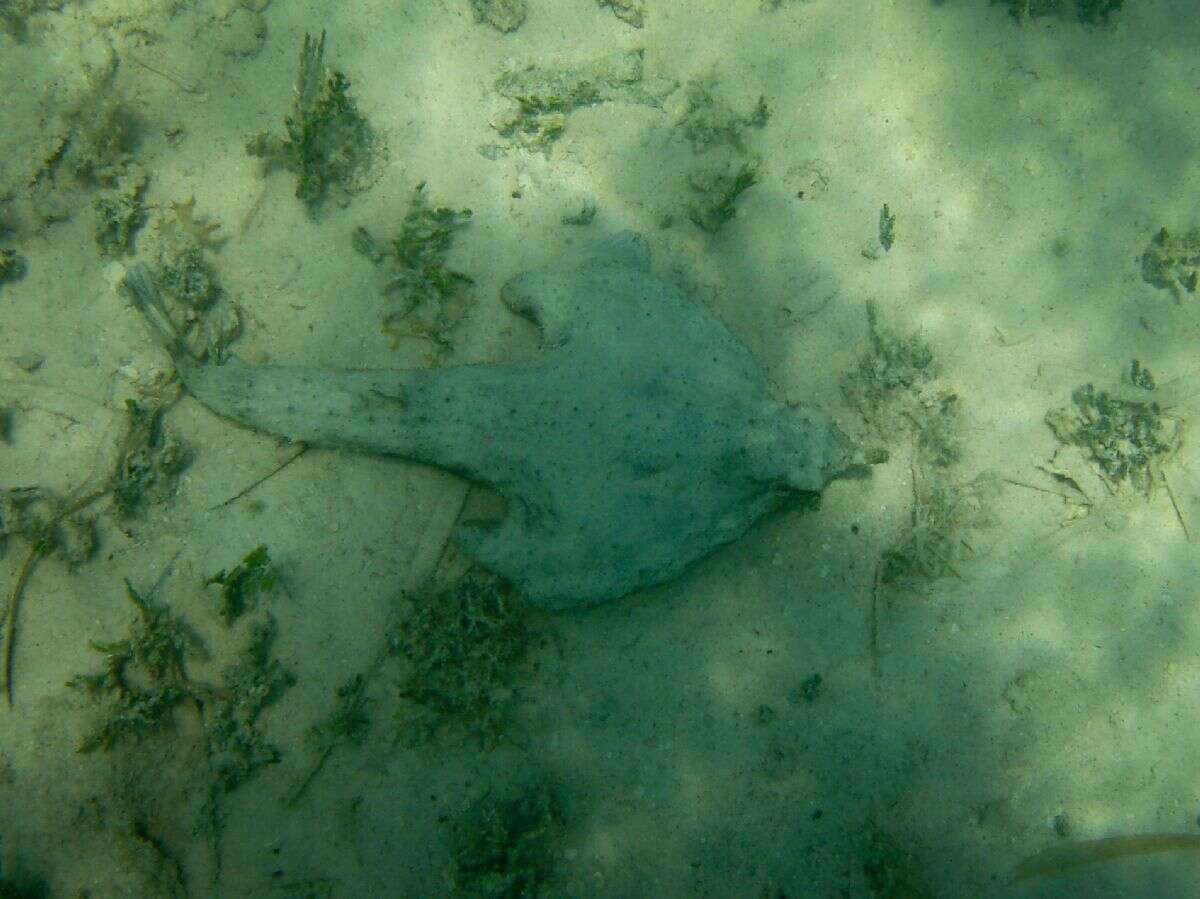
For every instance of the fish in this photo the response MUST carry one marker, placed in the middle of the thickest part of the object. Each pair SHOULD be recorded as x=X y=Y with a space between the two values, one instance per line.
x=638 y=439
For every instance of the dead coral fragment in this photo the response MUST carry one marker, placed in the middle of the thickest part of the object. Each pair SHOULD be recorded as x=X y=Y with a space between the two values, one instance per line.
x=328 y=143
x=463 y=648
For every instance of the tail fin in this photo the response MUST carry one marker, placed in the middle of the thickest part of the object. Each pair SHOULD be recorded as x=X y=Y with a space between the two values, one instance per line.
x=143 y=292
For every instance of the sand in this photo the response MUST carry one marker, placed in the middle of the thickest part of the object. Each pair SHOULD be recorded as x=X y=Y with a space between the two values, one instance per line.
x=1041 y=692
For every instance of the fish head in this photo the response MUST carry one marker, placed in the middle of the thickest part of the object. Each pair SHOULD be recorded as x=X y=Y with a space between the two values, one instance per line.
x=810 y=449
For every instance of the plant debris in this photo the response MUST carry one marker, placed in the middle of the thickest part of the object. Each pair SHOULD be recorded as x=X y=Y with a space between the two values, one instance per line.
x=935 y=541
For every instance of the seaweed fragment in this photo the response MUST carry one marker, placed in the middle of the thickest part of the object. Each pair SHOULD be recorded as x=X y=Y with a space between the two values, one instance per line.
x=50 y=524
x=327 y=143
x=54 y=525
x=182 y=296
x=707 y=122
x=462 y=648
x=103 y=133
x=150 y=463
x=716 y=187
x=235 y=743
x=508 y=847
x=1126 y=439
x=144 y=677
x=887 y=228
x=21 y=883
x=185 y=275
x=428 y=298
x=349 y=724
x=724 y=168
x=541 y=96
x=200 y=230
x=1086 y=11
x=891 y=869
x=631 y=12
x=1172 y=261
x=12 y=266
x=242 y=584
x=503 y=15
x=119 y=213
x=145 y=680
x=897 y=388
